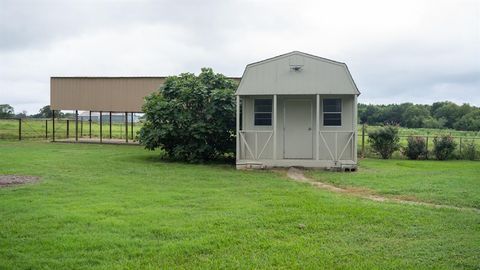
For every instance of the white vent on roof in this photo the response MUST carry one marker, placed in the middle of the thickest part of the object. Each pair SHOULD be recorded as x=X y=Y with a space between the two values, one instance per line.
x=296 y=62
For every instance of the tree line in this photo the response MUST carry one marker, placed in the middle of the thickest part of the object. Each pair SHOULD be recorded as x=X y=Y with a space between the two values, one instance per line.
x=7 y=111
x=445 y=114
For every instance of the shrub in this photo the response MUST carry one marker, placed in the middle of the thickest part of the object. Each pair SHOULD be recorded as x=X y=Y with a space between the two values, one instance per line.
x=416 y=148
x=384 y=141
x=192 y=117
x=469 y=150
x=443 y=147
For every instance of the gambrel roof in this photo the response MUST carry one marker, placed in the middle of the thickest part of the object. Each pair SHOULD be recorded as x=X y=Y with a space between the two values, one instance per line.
x=297 y=73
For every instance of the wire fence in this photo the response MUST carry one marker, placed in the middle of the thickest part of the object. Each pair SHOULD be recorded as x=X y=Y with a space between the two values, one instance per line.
x=42 y=129
x=461 y=138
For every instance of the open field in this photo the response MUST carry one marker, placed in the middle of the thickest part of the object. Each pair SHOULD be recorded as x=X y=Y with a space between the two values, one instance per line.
x=108 y=206
x=451 y=183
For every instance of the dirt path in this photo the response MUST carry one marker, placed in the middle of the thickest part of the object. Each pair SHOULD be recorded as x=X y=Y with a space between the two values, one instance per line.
x=12 y=180
x=298 y=176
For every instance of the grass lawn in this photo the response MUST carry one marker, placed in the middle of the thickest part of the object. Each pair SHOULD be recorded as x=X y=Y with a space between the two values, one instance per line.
x=107 y=206
x=452 y=183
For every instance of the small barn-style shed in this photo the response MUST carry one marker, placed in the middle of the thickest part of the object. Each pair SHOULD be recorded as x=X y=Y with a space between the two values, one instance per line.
x=297 y=109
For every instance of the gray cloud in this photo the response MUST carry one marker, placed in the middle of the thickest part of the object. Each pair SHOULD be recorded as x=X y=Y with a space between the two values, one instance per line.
x=416 y=51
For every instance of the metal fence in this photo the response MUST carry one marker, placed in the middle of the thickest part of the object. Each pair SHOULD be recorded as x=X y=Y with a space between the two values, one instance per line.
x=364 y=149
x=42 y=129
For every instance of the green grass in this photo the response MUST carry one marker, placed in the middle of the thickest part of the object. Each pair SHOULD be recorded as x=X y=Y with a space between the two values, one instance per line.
x=454 y=183
x=121 y=207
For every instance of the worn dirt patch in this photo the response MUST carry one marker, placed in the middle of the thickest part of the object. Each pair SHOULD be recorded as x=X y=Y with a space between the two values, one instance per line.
x=13 y=180
x=298 y=175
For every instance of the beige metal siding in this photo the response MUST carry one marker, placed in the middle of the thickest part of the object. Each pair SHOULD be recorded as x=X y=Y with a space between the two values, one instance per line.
x=122 y=94
x=115 y=94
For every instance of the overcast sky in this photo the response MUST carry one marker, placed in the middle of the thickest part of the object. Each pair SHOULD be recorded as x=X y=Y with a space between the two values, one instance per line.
x=397 y=51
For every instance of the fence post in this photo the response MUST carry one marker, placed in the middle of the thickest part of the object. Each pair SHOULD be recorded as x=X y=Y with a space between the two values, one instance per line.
x=363 y=140
x=81 y=127
x=46 y=129
x=68 y=128
x=19 y=129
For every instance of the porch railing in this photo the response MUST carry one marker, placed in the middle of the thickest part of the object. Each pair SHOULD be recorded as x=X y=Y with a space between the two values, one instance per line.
x=255 y=153
x=334 y=153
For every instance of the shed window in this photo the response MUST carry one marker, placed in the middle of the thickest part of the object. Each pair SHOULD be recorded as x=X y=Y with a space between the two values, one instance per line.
x=332 y=112
x=263 y=112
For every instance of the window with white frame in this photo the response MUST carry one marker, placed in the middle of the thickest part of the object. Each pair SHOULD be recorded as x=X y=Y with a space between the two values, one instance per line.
x=332 y=112
x=263 y=112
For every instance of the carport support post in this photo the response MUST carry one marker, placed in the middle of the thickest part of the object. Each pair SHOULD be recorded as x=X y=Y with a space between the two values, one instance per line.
x=131 y=124
x=19 y=129
x=68 y=128
x=274 y=127
x=126 y=127
x=46 y=129
x=101 y=127
x=53 y=125
x=317 y=128
x=90 y=124
x=76 y=125
x=110 y=121
x=237 y=137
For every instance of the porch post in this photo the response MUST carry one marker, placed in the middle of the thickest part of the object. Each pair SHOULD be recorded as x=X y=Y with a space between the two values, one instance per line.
x=237 y=137
x=275 y=127
x=354 y=137
x=317 y=129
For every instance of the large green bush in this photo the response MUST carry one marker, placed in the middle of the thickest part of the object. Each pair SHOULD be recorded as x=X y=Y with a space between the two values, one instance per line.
x=384 y=141
x=192 y=118
x=443 y=147
x=416 y=148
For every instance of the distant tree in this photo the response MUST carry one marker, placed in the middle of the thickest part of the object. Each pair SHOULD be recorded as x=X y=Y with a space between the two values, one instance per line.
x=449 y=111
x=23 y=114
x=384 y=141
x=192 y=118
x=438 y=115
x=414 y=116
x=6 y=111
x=431 y=122
x=45 y=112
x=470 y=121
